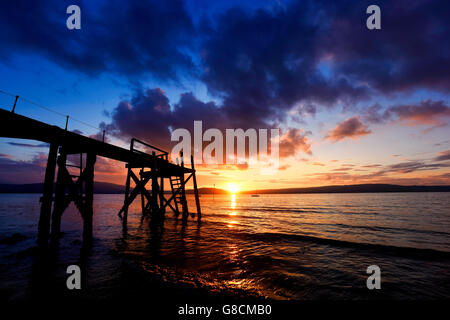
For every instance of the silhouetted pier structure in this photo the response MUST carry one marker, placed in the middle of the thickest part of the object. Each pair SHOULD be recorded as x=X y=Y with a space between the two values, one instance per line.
x=78 y=187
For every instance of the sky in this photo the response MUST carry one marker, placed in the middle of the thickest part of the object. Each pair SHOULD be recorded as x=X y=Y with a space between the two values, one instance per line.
x=353 y=105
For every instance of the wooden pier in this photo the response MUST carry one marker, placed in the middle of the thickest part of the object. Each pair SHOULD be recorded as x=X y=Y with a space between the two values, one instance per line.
x=153 y=168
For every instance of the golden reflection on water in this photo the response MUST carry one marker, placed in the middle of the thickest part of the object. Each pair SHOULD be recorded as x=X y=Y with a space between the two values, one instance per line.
x=231 y=223
x=233 y=201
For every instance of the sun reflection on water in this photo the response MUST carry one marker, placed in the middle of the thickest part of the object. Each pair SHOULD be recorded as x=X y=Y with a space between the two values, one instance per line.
x=231 y=223
x=232 y=213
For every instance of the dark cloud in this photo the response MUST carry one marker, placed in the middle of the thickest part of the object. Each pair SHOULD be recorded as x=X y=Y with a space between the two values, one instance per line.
x=321 y=53
x=28 y=145
x=370 y=166
x=350 y=128
x=434 y=114
x=374 y=114
x=259 y=63
x=427 y=112
x=15 y=171
x=412 y=166
x=150 y=116
x=337 y=178
x=442 y=143
x=129 y=38
x=343 y=169
x=410 y=51
x=396 y=173
x=266 y=62
x=443 y=156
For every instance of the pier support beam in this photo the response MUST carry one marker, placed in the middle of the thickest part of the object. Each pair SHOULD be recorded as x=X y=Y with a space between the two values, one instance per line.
x=61 y=201
x=197 y=200
x=81 y=192
x=162 y=208
x=155 y=187
x=184 y=205
x=143 y=206
x=88 y=210
x=124 y=212
x=46 y=204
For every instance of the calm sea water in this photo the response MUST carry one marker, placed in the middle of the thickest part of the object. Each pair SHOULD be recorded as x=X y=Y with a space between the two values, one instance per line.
x=302 y=246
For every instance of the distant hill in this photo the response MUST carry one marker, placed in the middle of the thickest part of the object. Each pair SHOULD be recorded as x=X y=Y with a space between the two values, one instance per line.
x=99 y=187
x=208 y=191
x=355 y=188
x=105 y=187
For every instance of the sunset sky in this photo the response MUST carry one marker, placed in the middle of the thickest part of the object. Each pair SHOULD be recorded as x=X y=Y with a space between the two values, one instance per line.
x=353 y=105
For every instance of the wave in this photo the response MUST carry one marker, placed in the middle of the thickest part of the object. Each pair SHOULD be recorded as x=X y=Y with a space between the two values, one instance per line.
x=379 y=228
x=292 y=210
x=348 y=226
x=410 y=252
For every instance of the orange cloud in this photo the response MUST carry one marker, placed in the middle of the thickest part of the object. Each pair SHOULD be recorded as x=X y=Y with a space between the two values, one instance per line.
x=292 y=141
x=350 y=128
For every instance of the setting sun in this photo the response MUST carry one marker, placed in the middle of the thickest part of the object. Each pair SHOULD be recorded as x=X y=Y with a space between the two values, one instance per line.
x=233 y=188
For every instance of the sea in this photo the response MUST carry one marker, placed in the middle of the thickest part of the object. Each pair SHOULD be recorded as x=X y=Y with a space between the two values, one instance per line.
x=274 y=246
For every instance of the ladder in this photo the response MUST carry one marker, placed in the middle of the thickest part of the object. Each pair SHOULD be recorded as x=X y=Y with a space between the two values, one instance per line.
x=76 y=166
x=175 y=184
x=76 y=177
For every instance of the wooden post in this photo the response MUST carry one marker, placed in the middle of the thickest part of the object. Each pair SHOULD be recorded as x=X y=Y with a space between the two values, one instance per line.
x=155 y=188
x=14 y=106
x=81 y=171
x=142 y=193
x=127 y=193
x=197 y=200
x=89 y=196
x=46 y=205
x=183 y=191
x=161 y=197
x=60 y=194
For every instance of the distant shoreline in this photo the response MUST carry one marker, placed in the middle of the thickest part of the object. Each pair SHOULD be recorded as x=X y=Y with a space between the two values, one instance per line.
x=110 y=188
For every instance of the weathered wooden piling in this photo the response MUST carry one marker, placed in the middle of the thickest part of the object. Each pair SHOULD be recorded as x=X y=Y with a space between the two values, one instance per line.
x=46 y=201
x=197 y=199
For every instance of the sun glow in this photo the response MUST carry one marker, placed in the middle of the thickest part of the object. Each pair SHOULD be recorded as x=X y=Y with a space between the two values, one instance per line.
x=233 y=188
